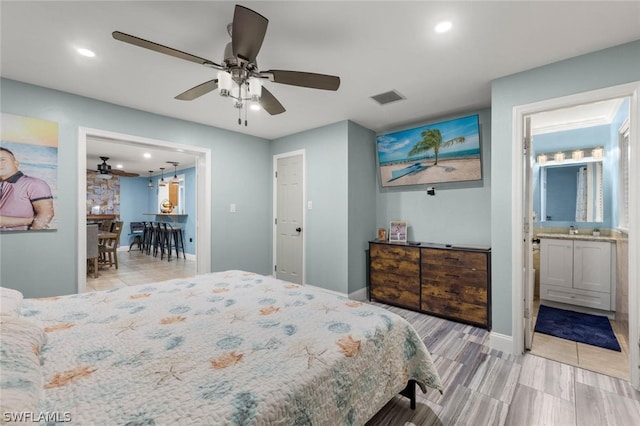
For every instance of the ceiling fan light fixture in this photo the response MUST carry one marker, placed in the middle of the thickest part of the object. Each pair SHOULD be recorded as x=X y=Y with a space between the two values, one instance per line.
x=225 y=83
x=255 y=106
x=255 y=88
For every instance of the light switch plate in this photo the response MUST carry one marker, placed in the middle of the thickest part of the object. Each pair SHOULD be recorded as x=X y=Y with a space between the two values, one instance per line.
x=309 y=205
x=232 y=208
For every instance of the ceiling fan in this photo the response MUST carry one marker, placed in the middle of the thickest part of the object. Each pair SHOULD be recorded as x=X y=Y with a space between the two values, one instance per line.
x=238 y=75
x=105 y=170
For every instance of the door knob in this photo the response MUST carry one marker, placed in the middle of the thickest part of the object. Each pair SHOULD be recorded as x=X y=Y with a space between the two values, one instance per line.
x=298 y=229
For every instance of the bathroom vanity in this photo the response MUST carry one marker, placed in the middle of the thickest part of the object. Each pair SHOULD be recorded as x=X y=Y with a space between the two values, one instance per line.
x=578 y=270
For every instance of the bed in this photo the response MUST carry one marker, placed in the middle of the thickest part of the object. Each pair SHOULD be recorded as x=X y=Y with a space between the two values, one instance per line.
x=232 y=348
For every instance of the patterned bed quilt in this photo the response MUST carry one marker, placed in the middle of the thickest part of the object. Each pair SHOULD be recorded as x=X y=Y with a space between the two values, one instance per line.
x=228 y=348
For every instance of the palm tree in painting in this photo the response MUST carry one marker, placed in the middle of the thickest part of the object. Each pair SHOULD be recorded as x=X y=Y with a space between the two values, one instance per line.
x=432 y=139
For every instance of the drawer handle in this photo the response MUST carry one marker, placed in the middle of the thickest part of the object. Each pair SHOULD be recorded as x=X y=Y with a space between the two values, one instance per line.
x=452 y=258
x=452 y=275
x=457 y=293
x=392 y=281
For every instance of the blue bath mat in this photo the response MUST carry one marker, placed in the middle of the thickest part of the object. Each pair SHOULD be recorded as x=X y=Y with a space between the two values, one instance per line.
x=584 y=328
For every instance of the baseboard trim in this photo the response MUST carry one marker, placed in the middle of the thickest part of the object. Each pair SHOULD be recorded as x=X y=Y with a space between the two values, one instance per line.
x=359 y=295
x=121 y=249
x=501 y=342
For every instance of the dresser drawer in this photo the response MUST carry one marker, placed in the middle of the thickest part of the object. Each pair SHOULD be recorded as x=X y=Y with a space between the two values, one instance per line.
x=409 y=254
x=432 y=258
x=444 y=275
x=476 y=295
x=396 y=289
x=402 y=267
x=469 y=312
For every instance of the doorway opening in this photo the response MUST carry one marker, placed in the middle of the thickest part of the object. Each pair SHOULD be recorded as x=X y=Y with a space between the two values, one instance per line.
x=523 y=222
x=573 y=184
x=202 y=194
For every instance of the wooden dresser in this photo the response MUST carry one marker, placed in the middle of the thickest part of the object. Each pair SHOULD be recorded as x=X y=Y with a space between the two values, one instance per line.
x=437 y=279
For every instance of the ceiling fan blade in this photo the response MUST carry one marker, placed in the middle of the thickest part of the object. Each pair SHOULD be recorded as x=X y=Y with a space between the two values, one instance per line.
x=269 y=103
x=247 y=33
x=122 y=173
x=197 y=91
x=136 y=41
x=304 y=79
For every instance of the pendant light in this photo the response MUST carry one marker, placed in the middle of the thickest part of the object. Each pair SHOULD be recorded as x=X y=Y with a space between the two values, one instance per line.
x=162 y=182
x=175 y=180
x=150 y=184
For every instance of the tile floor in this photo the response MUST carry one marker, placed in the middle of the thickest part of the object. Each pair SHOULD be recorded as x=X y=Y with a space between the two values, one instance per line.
x=600 y=360
x=135 y=267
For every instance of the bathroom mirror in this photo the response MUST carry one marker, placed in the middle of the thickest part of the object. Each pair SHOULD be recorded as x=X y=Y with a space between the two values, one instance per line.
x=571 y=192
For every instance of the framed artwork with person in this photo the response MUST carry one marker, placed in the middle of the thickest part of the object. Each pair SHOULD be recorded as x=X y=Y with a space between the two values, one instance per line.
x=28 y=173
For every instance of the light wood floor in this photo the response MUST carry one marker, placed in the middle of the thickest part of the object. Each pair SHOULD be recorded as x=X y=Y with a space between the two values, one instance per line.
x=600 y=360
x=482 y=386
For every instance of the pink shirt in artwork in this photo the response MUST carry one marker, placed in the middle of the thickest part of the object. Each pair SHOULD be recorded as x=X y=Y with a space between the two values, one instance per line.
x=18 y=192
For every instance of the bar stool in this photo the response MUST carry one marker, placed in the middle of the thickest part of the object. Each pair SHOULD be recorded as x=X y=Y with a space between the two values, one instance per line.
x=158 y=239
x=164 y=240
x=175 y=238
x=147 y=237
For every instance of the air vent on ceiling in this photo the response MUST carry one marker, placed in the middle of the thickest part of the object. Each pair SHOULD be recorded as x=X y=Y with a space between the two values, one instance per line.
x=388 y=97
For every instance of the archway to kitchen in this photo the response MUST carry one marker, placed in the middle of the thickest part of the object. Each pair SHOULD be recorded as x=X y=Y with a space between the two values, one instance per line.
x=203 y=194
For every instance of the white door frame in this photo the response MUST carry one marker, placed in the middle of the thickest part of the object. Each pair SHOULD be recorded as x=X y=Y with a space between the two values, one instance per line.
x=304 y=210
x=203 y=195
x=632 y=90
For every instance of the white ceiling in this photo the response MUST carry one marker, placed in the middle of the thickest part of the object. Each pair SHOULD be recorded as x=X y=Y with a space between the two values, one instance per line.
x=373 y=46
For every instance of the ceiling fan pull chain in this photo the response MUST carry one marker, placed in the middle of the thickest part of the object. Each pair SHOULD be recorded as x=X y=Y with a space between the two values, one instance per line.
x=239 y=119
x=245 y=116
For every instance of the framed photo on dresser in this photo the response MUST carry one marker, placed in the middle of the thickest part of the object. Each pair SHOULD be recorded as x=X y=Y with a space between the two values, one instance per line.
x=398 y=231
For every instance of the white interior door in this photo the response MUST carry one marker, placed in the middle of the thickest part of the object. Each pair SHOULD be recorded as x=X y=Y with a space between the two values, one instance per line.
x=289 y=219
x=527 y=249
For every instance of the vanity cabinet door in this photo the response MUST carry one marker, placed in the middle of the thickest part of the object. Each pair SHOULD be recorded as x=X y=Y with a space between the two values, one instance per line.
x=556 y=262
x=592 y=265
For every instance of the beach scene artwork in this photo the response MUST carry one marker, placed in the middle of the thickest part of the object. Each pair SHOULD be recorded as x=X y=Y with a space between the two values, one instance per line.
x=443 y=152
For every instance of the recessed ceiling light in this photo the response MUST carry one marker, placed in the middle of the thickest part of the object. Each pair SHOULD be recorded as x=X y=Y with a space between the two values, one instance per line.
x=146 y=155
x=86 y=52
x=119 y=166
x=443 y=27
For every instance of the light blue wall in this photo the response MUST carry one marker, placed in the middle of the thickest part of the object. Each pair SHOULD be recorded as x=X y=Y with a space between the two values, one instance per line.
x=362 y=202
x=136 y=199
x=326 y=238
x=609 y=67
x=458 y=213
x=45 y=263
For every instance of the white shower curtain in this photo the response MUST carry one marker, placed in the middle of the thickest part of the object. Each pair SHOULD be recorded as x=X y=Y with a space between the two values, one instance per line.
x=589 y=197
